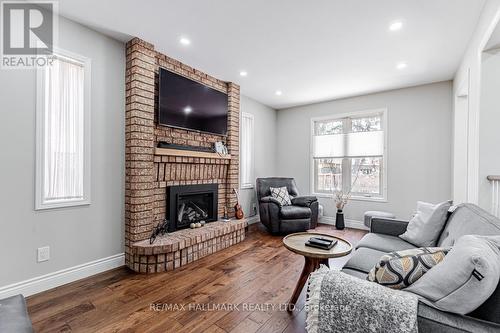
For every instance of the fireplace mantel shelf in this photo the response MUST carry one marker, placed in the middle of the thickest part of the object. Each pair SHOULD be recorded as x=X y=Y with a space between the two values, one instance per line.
x=189 y=153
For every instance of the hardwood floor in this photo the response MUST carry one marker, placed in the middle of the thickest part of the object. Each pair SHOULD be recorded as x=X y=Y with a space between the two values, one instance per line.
x=255 y=277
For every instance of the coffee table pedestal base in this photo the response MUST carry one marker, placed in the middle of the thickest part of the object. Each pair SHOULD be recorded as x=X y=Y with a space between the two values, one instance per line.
x=310 y=265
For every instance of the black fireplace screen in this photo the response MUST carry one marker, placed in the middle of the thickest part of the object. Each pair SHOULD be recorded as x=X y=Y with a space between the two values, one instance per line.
x=188 y=204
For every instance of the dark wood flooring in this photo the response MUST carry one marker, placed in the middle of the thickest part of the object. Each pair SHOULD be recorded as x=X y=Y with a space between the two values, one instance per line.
x=255 y=277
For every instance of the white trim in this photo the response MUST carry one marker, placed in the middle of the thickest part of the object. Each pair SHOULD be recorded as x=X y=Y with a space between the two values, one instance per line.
x=463 y=90
x=252 y=152
x=349 y=223
x=385 y=172
x=39 y=204
x=64 y=276
x=461 y=96
x=253 y=219
x=474 y=114
x=352 y=198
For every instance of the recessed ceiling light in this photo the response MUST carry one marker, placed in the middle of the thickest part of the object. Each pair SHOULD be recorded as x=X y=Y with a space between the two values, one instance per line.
x=243 y=73
x=278 y=92
x=184 y=41
x=188 y=109
x=396 y=25
x=401 y=65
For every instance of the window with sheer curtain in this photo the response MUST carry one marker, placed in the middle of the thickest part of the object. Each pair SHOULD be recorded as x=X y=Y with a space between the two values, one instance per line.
x=63 y=172
x=247 y=146
x=348 y=154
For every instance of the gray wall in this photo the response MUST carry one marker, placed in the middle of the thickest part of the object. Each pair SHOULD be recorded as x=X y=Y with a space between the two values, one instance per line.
x=265 y=147
x=75 y=235
x=419 y=146
x=489 y=134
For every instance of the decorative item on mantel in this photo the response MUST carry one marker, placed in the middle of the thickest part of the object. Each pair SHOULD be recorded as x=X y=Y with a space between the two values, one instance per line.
x=197 y=225
x=238 y=211
x=161 y=229
x=225 y=218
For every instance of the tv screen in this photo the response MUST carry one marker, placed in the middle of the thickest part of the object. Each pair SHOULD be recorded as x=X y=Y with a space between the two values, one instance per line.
x=187 y=104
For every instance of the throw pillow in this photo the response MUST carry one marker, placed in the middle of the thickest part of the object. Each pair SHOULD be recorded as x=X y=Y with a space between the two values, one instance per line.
x=281 y=194
x=427 y=223
x=398 y=270
x=465 y=279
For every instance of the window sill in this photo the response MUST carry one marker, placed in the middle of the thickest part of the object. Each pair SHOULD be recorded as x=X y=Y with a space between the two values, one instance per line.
x=371 y=199
x=246 y=187
x=56 y=205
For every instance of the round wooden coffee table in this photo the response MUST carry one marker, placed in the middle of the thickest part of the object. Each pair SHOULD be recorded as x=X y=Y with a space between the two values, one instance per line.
x=313 y=256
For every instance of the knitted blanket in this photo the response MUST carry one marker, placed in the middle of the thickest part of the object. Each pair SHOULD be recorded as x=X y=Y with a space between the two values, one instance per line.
x=338 y=302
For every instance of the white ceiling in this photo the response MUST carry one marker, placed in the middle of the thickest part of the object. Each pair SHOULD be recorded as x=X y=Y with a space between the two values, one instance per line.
x=310 y=50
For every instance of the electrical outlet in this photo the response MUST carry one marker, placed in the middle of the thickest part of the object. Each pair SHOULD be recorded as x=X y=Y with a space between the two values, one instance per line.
x=43 y=253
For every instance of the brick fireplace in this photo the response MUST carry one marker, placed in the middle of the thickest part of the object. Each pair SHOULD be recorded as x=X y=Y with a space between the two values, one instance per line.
x=149 y=171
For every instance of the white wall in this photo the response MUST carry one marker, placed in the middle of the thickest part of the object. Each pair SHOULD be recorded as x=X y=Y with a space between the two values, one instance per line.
x=265 y=147
x=419 y=146
x=75 y=235
x=489 y=121
x=469 y=74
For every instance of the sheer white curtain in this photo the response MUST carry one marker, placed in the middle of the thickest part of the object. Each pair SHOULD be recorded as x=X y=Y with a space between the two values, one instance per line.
x=348 y=152
x=247 y=139
x=354 y=144
x=63 y=131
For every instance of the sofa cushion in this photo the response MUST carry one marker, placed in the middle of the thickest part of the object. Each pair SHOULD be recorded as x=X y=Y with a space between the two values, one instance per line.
x=426 y=225
x=14 y=316
x=364 y=259
x=352 y=272
x=295 y=212
x=465 y=279
x=385 y=243
x=468 y=219
x=399 y=269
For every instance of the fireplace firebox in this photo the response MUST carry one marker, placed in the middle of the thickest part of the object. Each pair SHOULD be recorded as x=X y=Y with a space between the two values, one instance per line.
x=188 y=204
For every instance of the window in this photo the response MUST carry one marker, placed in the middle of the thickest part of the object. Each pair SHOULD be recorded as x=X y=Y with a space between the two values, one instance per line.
x=247 y=161
x=63 y=133
x=348 y=153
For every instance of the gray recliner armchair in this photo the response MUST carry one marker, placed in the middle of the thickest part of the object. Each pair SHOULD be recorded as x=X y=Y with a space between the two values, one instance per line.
x=300 y=216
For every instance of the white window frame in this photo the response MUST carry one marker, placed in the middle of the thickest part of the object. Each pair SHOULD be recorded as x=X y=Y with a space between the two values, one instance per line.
x=384 y=171
x=40 y=203
x=248 y=185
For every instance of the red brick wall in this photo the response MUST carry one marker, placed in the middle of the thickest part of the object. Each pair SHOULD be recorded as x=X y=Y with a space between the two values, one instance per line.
x=147 y=175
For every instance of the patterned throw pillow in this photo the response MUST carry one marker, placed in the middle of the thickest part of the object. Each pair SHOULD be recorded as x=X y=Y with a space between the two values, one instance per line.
x=281 y=194
x=398 y=270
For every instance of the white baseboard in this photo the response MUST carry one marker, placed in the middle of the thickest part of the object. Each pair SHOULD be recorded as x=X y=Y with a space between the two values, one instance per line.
x=354 y=224
x=64 y=276
x=253 y=219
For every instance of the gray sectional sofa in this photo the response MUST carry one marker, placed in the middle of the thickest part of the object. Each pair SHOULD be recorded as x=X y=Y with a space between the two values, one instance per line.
x=464 y=220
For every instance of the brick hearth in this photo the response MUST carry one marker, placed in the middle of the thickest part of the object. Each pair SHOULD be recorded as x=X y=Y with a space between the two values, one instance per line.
x=185 y=246
x=147 y=174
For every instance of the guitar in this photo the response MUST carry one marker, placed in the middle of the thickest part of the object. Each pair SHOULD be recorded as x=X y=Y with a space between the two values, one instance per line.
x=238 y=211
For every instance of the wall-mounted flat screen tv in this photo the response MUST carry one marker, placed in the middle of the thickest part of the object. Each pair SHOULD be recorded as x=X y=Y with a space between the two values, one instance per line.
x=187 y=104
